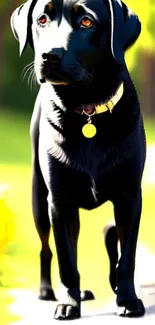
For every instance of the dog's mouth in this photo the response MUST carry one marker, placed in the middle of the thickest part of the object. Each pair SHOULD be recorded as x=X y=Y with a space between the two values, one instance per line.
x=58 y=75
x=54 y=77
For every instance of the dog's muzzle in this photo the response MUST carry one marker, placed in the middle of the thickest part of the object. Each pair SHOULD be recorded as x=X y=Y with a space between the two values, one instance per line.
x=51 y=60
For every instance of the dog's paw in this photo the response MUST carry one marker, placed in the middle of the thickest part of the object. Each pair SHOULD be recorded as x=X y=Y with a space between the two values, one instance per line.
x=47 y=294
x=134 y=308
x=67 y=312
x=87 y=295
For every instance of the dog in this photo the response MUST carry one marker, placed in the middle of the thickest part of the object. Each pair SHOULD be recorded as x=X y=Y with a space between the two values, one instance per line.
x=88 y=138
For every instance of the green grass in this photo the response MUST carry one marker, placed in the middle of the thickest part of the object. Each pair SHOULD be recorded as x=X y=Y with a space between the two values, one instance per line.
x=19 y=243
x=14 y=135
x=149 y=125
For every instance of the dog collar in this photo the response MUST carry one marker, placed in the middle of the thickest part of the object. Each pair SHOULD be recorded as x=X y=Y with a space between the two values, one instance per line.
x=89 y=130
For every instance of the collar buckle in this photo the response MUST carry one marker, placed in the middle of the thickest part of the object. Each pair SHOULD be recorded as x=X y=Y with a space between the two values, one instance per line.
x=110 y=106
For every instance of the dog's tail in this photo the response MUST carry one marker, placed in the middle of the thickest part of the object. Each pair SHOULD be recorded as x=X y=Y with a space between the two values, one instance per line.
x=111 y=243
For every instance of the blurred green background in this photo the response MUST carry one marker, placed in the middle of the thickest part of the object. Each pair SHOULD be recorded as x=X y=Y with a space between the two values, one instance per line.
x=19 y=243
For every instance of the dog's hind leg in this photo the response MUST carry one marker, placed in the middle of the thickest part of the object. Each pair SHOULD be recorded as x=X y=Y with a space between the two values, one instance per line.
x=40 y=212
x=111 y=243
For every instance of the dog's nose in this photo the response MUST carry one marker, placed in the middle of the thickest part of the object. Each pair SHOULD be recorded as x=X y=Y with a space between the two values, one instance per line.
x=54 y=56
x=51 y=58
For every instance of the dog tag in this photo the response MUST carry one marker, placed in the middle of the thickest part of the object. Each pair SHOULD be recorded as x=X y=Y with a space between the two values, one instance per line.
x=89 y=130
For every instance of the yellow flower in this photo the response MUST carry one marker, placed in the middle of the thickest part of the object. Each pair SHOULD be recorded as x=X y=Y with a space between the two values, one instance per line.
x=6 y=219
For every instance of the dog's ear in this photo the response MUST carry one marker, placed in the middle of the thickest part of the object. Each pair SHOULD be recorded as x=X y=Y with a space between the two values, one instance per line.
x=21 y=20
x=132 y=27
x=125 y=28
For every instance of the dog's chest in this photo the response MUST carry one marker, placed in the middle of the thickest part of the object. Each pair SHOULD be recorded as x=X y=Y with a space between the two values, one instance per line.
x=84 y=157
x=67 y=144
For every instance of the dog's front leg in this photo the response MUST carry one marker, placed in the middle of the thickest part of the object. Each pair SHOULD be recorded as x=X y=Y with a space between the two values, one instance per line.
x=127 y=210
x=62 y=220
x=64 y=217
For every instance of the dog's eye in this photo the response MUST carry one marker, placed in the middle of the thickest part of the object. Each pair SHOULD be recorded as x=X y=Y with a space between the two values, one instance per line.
x=86 y=22
x=42 y=20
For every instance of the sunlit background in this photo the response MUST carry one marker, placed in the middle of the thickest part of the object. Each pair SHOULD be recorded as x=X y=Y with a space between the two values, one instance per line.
x=19 y=243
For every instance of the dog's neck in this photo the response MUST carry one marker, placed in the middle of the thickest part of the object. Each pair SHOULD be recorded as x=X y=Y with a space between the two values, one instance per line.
x=80 y=94
x=74 y=96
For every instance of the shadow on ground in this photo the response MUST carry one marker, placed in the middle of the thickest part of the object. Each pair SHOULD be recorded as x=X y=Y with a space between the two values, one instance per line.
x=33 y=311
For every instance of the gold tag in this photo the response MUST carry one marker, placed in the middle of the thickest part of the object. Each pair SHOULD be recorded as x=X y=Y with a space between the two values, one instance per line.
x=89 y=130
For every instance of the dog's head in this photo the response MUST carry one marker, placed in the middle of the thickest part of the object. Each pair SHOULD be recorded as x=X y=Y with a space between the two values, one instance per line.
x=72 y=38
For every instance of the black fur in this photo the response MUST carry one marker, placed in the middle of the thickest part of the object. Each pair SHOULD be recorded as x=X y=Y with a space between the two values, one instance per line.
x=81 y=66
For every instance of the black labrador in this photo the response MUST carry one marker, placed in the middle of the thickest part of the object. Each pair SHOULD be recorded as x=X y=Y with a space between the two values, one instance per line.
x=87 y=133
